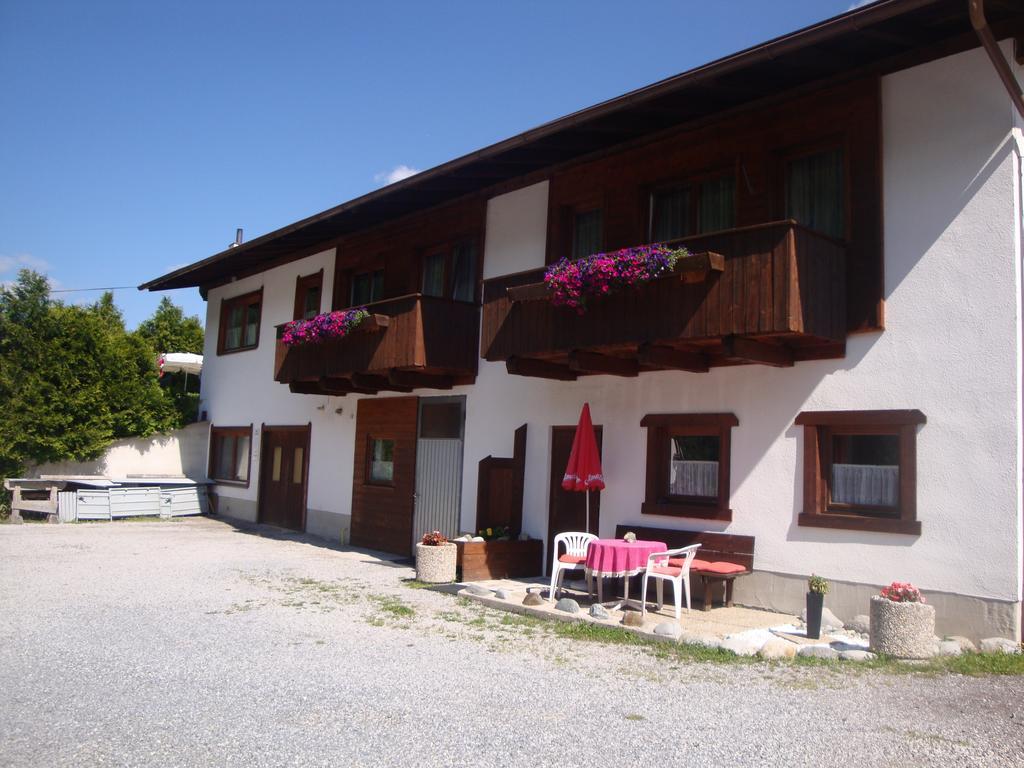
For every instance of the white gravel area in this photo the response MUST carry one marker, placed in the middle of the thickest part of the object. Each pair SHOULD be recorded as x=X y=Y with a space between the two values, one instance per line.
x=197 y=643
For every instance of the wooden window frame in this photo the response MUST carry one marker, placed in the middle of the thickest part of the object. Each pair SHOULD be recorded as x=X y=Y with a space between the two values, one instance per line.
x=226 y=305
x=370 y=439
x=447 y=248
x=818 y=510
x=661 y=427
x=303 y=284
x=235 y=432
x=692 y=182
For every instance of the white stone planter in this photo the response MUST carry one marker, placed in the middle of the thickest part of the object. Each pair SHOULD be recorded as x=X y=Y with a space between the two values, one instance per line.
x=436 y=565
x=902 y=630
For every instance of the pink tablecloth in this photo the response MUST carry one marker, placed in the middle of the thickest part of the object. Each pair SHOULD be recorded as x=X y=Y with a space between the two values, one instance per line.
x=615 y=557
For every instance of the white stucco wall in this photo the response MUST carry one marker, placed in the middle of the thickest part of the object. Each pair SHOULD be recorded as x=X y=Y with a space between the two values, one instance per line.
x=516 y=231
x=952 y=226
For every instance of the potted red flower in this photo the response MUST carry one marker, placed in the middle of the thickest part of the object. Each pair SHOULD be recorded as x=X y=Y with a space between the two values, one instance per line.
x=435 y=558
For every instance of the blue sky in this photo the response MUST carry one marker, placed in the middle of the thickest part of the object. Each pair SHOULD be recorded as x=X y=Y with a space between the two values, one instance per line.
x=137 y=136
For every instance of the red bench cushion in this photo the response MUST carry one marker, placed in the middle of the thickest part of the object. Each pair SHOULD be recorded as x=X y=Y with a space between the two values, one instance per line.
x=574 y=559
x=678 y=563
x=723 y=569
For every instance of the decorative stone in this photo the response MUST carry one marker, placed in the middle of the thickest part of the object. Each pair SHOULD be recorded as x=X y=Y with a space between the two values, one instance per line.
x=902 y=630
x=632 y=619
x=777 y=648
x=436 y=564
x=860 y=624
x=568 y=605
x=533 y=598
x=999 y=645
x=598 y=611
x=856 y=655
x=828 y=619
x=501 y=594
x=965 y=643
x=476 y=589
x=742 y=645
x=668 y=629
x=950 y=648
x=709 y=641
x=819 y=652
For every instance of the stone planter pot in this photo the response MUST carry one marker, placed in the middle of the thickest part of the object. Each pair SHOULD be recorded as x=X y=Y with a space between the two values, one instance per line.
x=902 y=630
x=435 y=565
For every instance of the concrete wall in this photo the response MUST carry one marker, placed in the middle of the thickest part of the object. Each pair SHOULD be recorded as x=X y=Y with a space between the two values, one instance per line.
x=950 y=348
x=179 y=452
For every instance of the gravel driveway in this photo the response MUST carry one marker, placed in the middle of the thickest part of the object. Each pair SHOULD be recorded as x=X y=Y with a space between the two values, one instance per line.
x=195 y=643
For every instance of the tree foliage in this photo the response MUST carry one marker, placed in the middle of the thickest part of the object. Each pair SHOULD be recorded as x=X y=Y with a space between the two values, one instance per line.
x=170 y=330
x=72 y=379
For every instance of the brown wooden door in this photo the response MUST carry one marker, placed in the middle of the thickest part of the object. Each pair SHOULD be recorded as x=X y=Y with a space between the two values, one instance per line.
x=567 y=510
x=284 y=476
x=384 y=476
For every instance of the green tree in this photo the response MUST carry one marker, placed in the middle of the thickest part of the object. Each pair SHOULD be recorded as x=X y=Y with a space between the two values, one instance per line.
x=170 y=330
x=72 y=379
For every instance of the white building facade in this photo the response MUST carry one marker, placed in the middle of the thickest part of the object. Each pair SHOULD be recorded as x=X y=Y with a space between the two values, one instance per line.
x=948 y=350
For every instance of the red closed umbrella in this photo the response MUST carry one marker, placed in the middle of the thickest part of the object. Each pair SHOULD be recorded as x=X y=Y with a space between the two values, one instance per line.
x=583 y=472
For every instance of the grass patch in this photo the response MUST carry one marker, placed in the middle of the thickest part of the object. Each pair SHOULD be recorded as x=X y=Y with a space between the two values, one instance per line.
x=393 y=606
x=414 y=583
x=635 y=717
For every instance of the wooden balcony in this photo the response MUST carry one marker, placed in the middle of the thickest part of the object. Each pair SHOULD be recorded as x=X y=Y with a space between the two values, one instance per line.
x=410 y=342
x=771 y=294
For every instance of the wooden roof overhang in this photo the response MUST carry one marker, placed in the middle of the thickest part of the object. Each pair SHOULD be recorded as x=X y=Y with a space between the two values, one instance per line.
x=881 y=37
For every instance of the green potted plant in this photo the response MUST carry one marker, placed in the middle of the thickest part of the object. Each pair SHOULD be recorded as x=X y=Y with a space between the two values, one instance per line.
x=817 y=588
x=435 y=558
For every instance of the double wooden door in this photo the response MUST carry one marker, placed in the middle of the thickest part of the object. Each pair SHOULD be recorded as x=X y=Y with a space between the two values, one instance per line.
x=284 y=476
x=567 y=510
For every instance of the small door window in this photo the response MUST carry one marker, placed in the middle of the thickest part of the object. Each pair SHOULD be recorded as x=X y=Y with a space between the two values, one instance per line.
x=275 y=473
x=382 y=461
x=297 y=466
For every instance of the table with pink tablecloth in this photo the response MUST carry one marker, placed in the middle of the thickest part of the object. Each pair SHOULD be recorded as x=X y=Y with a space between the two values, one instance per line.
x=615 y=557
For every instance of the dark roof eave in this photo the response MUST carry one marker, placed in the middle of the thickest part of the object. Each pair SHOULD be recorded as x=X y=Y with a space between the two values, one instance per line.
x=419 y=186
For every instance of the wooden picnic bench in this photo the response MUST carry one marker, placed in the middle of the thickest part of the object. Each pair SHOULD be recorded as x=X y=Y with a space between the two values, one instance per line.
x=722 y=557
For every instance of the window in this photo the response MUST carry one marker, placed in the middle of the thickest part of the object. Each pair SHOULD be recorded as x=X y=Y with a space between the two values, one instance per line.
x=860 y=470
x=587 y=233
x=450 y=272
x=690 y=209
x=382 y=462
x=229 y=454
x=307 y=295
x=816 y=192
x=688 y=464
x=367 y=287
x=240 y=323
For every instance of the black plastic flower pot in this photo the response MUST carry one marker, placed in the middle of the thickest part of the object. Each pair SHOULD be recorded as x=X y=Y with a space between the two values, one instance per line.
x=815 y=602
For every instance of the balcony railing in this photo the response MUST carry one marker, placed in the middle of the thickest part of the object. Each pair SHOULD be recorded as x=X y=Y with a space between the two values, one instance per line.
x=771 y=293
x=407 y=343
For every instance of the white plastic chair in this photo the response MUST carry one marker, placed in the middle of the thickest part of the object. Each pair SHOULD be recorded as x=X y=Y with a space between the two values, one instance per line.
x=574 y=559
x=659 y=569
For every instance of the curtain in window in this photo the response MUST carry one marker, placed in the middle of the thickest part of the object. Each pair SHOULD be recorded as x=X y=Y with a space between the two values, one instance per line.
x=225 y=457
x=670 y=214
x=242 y=459
x=865 y=484
x=717 y=208
x=233 y=335
x=311 y=305
x=587 y=234
x=694 y=478
x=815 y=192
x=367 y=287
x=464 y=272
x=433 y=274
x=252 y=323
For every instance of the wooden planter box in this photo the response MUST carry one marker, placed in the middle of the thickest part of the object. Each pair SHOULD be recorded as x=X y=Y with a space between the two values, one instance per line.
x=481 y=560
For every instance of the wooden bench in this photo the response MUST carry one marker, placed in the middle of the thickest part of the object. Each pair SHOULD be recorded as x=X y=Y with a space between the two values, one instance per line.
x=715 y=548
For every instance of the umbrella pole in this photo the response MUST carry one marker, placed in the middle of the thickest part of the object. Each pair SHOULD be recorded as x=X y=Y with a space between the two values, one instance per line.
x=587 y=491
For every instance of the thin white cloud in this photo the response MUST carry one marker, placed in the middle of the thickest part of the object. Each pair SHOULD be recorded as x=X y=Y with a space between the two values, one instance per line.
x=859 y=4
x=397 y=173
x=22 y=261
